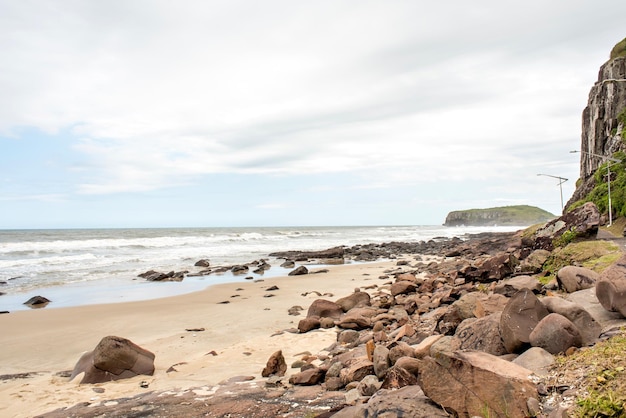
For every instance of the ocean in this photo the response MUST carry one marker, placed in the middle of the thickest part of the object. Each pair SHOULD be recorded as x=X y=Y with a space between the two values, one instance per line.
x=74 y=267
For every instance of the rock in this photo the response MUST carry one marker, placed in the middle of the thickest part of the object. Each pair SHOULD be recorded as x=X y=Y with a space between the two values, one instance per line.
x=584 y=220
x=477 y=384
x=611 y=287
x=534 y=262
x=555 y=334
x=466 y=304
x=357 y=370
x=481 y=334
x=239 y=269
x=589 y=328
x=308 y=324
x=519 y=317
x=37 y=302
x=299 y=271
x=409 y=364
x=403 y=287
x=397 y=378
x=327 y=322
x=322 y=308
x=276 y=365
x=288 y=264
x=494 y=268
x=535 y=359
x=356 y=299
x=381 y=361
x=423 y=348
x=114 y=358
x=574 y=278
x=449 y=321
x=491 y=304
x=399 y=349
x=348 y=336
x=509 y=287
x=369 y=385
x=408 y=401
x=203 y=263
x=308 y=377
x=354 y=321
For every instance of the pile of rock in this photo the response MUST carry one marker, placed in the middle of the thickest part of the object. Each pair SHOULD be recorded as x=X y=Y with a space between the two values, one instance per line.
x=469 y=335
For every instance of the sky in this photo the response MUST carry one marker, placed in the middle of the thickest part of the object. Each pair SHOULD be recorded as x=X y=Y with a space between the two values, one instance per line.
x=153 y=113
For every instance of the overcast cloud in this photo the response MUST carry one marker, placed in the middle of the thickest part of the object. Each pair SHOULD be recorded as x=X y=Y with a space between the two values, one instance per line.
x=226 y=113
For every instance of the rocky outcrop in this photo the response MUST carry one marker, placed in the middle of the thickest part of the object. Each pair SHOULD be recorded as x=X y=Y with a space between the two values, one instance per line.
x=507 y=215
x=114 y=358
x=602 y=132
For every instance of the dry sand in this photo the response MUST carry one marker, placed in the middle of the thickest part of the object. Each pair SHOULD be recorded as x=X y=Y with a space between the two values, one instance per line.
x=48 y=341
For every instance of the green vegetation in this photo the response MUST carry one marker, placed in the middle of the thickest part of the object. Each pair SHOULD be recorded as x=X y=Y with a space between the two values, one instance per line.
x=519 y=215
x=599 y=194
x=601 y=370
x=619 y=50
x=596 y=255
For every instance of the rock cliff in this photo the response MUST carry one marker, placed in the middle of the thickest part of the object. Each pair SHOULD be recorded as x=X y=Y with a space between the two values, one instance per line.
x=602 y=127
x=507 y=215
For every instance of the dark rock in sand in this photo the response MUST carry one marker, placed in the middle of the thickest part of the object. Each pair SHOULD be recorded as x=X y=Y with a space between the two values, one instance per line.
x=308 y=377
x=288 y=264
x=276 y=365
x=239 y=269
x=37 y=302
x=323 y=308
x=355 y=300
x=114 y=358
x=299 y=271
x=308 y=324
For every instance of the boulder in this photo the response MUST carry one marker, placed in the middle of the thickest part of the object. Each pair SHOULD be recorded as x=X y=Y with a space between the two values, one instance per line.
x=381 y=361
x=356 y=299
x=422 y=349
x=555 y=334
x=357 y=370
x=477 y=384
x=494 y=268
x=203 y=263
x=308 y=377
x=299 y=271
x=321 y=308
x=534 y=262
x=519 y=317
x=408 y=401
x=584 y=220
x=509 y=287
x=574 y=278
x=276 y=365
x=410 y=364
x=398 y=377
x=37 y=302
x=369 y=385
x=348 y=336
x=589 y=328
x=403 y=287
x=535 y=359
x=114 y=358
x=354 y=321
x=481 y=334
x=611 y=287
x=308 y=324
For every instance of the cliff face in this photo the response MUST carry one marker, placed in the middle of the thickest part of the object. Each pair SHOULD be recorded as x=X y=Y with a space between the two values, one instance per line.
x=602 y=133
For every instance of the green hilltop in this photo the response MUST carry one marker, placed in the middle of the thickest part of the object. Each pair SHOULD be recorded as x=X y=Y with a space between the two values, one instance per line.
x=520 y=215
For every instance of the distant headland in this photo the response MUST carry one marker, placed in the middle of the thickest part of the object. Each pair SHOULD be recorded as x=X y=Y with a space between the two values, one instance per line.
x=520 y=215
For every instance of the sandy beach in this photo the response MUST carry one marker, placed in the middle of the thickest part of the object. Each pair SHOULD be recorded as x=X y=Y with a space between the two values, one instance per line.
x=237 y=340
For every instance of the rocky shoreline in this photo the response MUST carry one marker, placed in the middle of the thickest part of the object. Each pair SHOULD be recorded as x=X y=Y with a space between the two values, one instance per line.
x=468 y=332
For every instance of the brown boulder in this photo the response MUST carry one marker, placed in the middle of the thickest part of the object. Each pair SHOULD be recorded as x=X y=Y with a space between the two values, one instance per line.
x=381 y=361
x=611 y=287
x=519 y=317
x=481 y=334
x=308 y=377
x=276 y=365
x=356 y=371
x=402 y=287
x=574 y=278
x=509 y=287
x=397 y=378
x=589 y=328
x=114 y=358
x=308 y=324
x=357 y=299
x=299 y=271
x=477 y=384
x=585 y=220
x=555 y=334
x=322 y=308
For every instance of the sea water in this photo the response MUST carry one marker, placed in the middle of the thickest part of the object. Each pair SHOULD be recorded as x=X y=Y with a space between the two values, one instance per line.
x=82 y=266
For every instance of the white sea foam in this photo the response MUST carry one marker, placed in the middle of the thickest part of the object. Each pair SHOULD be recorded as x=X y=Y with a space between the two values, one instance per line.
x=34 y=259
